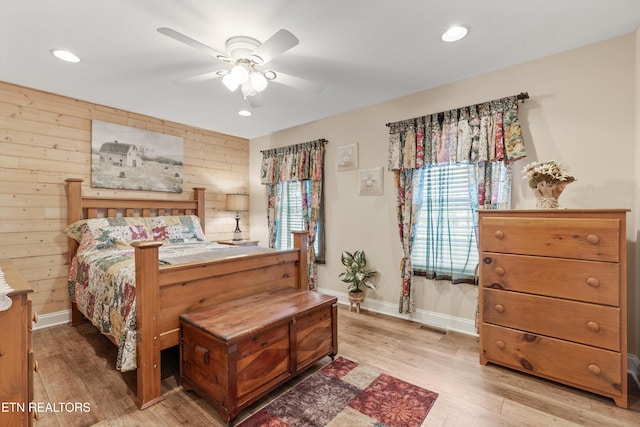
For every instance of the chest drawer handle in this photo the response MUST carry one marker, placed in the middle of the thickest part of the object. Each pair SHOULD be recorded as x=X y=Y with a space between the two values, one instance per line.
x=593 y=326
x=593 y=239
x=499 y=234
x=593 y=282
x=500 y=271
x=205 y=353
x=500 y=344
x=594 y=369
x=499 y=308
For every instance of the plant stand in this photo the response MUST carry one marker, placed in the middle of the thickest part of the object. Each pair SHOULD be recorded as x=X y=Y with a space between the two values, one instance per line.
x=355 y=298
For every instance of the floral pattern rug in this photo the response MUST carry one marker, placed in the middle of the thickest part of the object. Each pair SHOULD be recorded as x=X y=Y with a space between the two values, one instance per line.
x=344 y=393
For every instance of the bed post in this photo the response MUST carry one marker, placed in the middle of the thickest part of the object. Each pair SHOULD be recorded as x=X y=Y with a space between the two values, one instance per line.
x=198 y=196
x=74 y=213
x=301 y=242
x=148 y=333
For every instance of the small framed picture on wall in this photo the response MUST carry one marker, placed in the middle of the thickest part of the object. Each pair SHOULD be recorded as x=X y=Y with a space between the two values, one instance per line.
x=371 y=182
x=347 y=157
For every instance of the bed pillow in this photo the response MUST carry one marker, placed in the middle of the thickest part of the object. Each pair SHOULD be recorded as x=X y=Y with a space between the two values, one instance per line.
x=101 y=233
x=176 y=229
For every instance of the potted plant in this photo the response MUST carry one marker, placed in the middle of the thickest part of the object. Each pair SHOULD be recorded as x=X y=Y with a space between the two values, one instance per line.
x=357 y=276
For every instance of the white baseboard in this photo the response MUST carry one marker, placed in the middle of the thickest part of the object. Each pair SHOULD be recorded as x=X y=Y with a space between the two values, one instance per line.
x=430 y=318
x=52 y=319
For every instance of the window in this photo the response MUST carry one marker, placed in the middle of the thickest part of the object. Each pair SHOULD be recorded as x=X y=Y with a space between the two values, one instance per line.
x=445 y=239
x=290 y=218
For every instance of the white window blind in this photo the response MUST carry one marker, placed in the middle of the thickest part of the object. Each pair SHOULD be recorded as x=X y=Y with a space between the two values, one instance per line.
x=445 y=241
x=291 y=216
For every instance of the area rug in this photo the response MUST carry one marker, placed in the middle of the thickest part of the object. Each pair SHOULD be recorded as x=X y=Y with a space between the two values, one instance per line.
x=344 y=393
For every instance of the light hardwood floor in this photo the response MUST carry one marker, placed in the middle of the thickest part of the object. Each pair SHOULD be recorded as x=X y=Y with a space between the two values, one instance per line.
x=76 y=364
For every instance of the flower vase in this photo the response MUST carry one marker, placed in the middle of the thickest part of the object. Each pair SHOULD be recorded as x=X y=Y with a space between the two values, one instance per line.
x=547 y=194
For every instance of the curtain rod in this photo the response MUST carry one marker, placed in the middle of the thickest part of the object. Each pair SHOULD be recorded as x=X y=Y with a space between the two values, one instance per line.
x=522 y=96
x=295 y=145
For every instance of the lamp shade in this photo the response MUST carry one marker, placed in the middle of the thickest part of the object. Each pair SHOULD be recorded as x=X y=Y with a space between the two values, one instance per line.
x=237 y=202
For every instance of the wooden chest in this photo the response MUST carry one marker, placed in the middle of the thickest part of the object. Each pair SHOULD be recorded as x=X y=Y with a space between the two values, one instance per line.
x=553 y=296
x=236 y=352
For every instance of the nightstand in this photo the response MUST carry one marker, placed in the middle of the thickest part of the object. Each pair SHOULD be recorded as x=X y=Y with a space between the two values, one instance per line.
x=239 y=242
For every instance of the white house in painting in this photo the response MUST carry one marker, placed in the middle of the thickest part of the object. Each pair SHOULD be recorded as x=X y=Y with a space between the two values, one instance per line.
x=118 y=154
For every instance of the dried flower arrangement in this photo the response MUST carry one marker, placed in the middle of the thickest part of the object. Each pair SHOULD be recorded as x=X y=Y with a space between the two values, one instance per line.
x=550 y=172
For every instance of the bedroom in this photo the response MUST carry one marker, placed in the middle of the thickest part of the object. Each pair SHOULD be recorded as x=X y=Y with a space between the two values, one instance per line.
x=560 y=120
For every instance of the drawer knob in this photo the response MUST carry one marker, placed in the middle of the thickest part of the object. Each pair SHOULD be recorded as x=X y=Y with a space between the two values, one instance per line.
x=594 y=369
x=593 y=282
x=593 y=239
x=500 y=271
x=35 y=318
x=500 y=344
x=499 y=308
x=499 y=234
x=593 y=326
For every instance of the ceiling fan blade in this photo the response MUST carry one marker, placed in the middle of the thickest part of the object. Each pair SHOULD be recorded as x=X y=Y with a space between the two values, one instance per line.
x=297 y=82
x=255 y=101
x=198 y=78
x=193 y=43
x=275 y=46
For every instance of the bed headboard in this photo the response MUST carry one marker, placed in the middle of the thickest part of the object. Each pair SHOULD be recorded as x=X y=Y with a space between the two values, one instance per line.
x=81 y=207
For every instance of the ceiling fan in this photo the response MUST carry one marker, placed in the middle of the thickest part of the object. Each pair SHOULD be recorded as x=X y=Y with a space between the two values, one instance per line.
x=247 y=57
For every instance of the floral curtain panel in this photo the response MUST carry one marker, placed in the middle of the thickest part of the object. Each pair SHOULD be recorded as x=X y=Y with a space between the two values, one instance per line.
x=478 y=135
x=301 y=163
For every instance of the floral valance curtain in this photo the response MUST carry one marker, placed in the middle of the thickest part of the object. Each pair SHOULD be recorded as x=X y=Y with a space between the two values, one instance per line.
x=477 y=135
x=301 y=163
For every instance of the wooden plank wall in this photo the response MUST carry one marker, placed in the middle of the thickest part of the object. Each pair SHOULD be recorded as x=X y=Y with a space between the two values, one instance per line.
x=45 y=138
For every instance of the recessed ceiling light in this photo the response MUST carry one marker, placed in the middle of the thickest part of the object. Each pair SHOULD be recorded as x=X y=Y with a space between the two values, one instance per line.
x=244 y=113
x=65 y=55
x=454 y=33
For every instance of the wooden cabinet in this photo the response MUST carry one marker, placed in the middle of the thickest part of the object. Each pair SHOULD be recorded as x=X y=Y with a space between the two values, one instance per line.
x=234 y=353
x=16 y=352
x=553 y=296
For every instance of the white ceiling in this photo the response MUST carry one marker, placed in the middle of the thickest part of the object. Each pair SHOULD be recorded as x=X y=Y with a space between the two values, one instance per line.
x=363 y=51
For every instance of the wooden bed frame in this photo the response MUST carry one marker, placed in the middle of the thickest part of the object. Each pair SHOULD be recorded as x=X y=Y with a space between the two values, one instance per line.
x=163 y=293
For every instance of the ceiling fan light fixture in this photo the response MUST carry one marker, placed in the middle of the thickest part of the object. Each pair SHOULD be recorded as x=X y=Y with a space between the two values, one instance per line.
x=230 y=82
x=240 y=73
x=258 y=81
x=454 y=33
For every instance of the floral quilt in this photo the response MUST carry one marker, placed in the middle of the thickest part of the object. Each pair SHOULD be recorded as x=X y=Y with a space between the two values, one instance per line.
x=102 y=284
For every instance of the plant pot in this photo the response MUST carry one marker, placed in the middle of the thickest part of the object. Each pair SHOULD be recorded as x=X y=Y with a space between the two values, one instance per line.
x=355 y=298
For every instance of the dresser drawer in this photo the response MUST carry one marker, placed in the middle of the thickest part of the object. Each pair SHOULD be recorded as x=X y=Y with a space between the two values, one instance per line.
x=574 y=364
x=589 y=281
x=580 y=322
x=589 y=239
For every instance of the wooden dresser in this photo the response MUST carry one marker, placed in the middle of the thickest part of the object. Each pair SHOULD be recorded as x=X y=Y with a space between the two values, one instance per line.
x=16 y=353
x=236 y=352
x=553 y=296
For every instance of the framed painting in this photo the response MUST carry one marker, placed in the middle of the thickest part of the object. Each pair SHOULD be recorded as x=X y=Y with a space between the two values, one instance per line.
x=129 y=158
x=371 y=182
x=347 y=157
